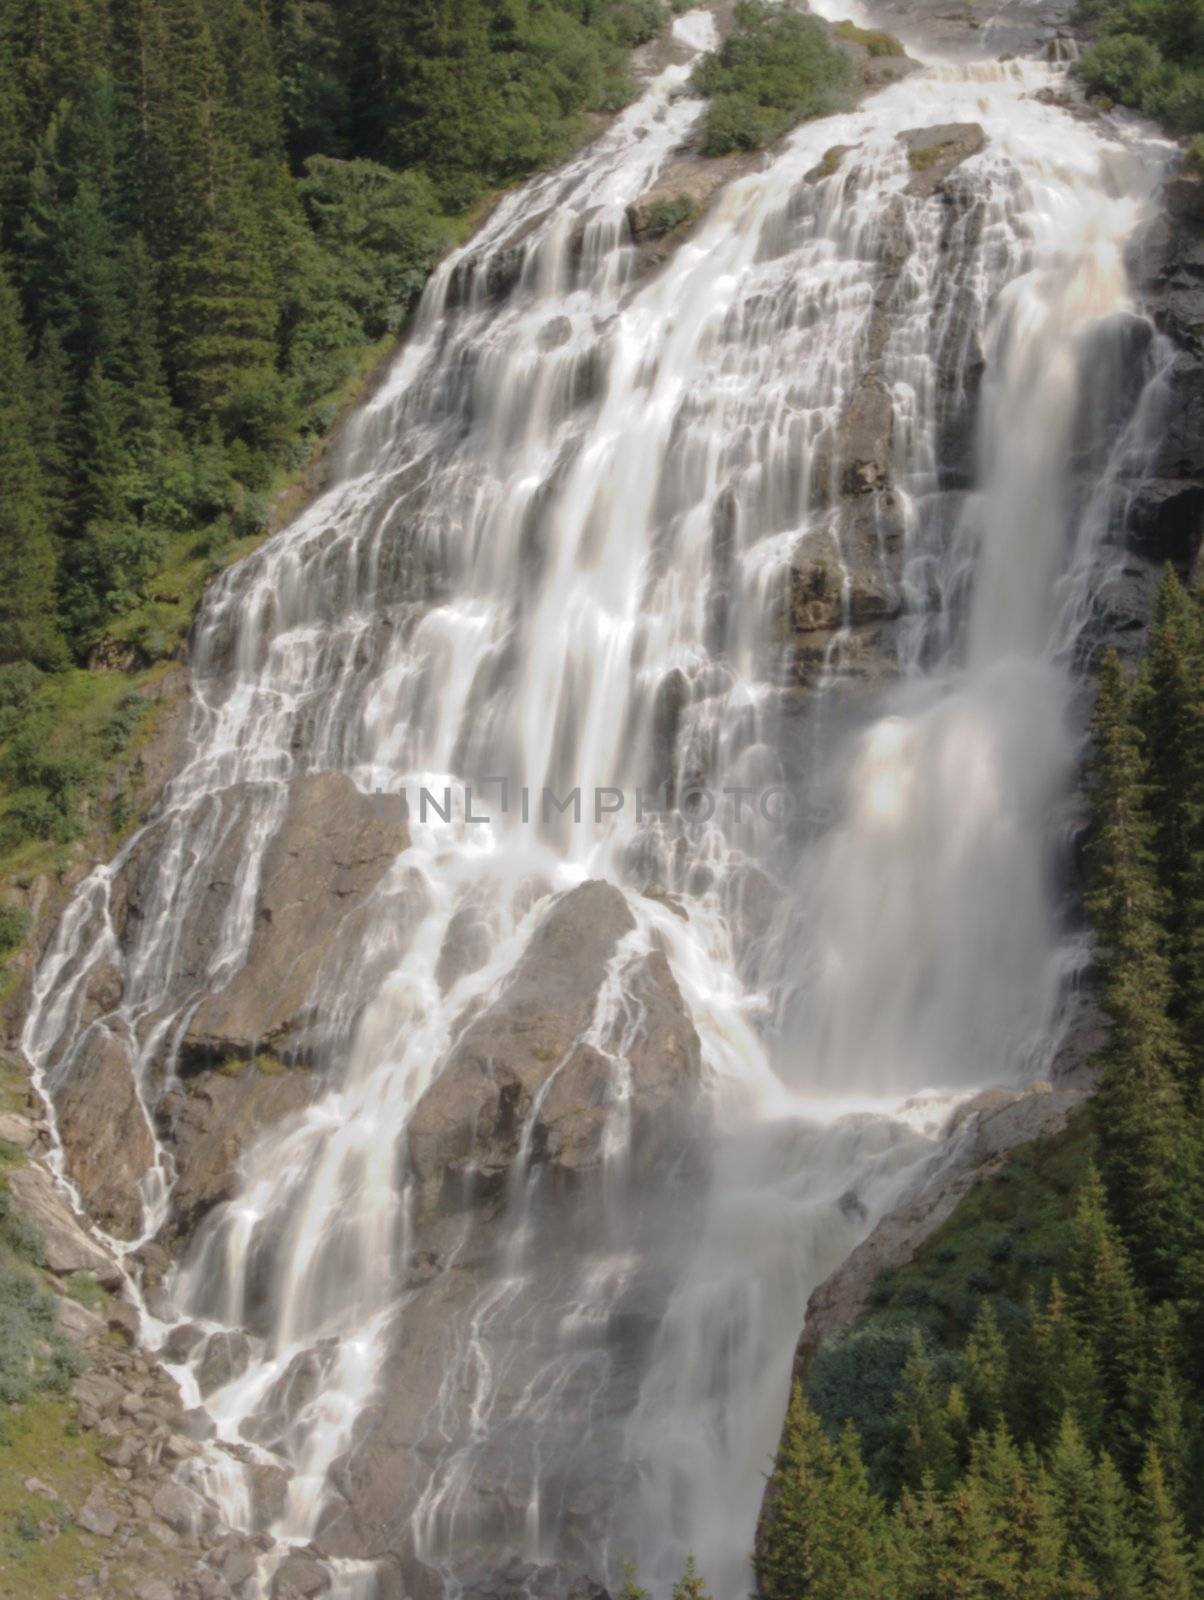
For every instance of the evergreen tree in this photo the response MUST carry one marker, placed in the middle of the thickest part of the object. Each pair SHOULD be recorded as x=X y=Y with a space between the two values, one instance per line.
x=1140 y=1110
x=985 y=1361
x=1103 y=1296
x=690 y=1586
x=1166 y=1555
x=28 y=630
x=1110 y=1544
x=1169 y=709
x=925 y=1448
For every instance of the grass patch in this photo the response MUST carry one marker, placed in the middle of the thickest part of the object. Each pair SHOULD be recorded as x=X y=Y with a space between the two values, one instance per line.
x=664 y=216
x=42 y=1552
x=874 y=40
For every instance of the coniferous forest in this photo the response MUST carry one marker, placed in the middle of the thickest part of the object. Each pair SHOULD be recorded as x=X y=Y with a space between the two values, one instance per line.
x=1021 y=1411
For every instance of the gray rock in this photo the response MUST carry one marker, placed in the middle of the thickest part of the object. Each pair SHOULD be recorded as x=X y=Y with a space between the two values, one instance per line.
x=180 y=1508
x=98 y=1393
x=225 y=1357
x=212 y=1116
x=76 y=1322
x=520 y=1072
x=269 y=1494
x=933 y=153
x=36 y=1198
x=299 y=1577
x=331 y=851
x=15 y=1130
x=154 y=1589
x=181 y=1342
x=97 y=1516
x=107 y=1143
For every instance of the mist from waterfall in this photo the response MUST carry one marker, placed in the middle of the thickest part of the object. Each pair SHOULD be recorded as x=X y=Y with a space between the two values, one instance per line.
x=555 y=550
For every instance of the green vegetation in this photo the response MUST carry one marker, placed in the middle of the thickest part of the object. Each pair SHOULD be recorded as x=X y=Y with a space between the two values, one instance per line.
x=871 y=39
x=664 y=216
x=1021 y=1411
x=215 y=216
x=1149 y=54
x=775 y=68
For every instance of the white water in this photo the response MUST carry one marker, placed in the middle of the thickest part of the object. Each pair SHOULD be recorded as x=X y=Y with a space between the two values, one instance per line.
x=558 y=503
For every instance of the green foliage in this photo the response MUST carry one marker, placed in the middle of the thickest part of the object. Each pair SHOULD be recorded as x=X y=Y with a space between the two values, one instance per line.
x=775 y=68
x=873 y=40
x=1148 y=54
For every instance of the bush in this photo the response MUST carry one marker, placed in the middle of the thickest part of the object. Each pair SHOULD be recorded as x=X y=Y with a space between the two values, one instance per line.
x=14 y=925
x=775 y=69
x=872 y=40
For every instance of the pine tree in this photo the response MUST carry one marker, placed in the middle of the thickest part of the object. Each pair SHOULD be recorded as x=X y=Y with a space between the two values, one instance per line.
x=1169 y=709
x=632 y=1588
x=1111 y=1551
x=822 y=1530
x=925 y=1447
x=1165 y=1553
x=28 y=630
x=1140 y=1110
x=985 y=1361
x=1103 y=1297
x=690 y=1586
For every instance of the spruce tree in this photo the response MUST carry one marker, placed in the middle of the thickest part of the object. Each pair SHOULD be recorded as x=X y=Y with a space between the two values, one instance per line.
x=985 y=1362
x=924 y=1445
x=1165 y=1552
x=1110 y=1541
x=1140 y=1110
x=28 y=629
x=690 y=1585
x=1168 y=706
x=1103 y=1297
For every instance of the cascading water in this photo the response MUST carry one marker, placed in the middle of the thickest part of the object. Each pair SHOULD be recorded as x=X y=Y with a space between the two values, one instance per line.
x=558 y=550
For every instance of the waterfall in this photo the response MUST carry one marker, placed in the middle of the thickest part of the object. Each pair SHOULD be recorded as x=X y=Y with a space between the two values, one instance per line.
x=559 y=550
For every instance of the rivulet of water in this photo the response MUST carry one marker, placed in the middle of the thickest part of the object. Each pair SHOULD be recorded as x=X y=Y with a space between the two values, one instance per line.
x=556 y=550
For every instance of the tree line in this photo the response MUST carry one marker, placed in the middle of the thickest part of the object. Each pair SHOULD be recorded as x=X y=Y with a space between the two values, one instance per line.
x=1052 y=1449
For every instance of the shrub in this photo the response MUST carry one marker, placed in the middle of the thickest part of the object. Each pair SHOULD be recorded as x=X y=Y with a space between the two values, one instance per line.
x=774 y=69
x=873 y=40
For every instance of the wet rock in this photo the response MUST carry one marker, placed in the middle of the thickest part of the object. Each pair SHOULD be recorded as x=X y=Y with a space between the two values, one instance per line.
x=35 y=1198
x=465 y=947
x=331 y=851
x=107 y=1145
x=269 y=1494
x=181 y=1342
x=225 y=1356
x=211 y=1118
x=299 y=1577
x=296 y=1387
x=183 y=1511
x=933 y=153
x=866 y=439
x=124 y=1321
x=521 y=1073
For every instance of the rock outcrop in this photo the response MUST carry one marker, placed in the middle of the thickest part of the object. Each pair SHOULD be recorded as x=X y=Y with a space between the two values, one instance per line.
x=982 y=1132
x=332 y=850
x=524 y=1075
x=586 y=1052
x=211 y=1117
x=933 y=153
x=66 y=1248
x=106 y=1155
